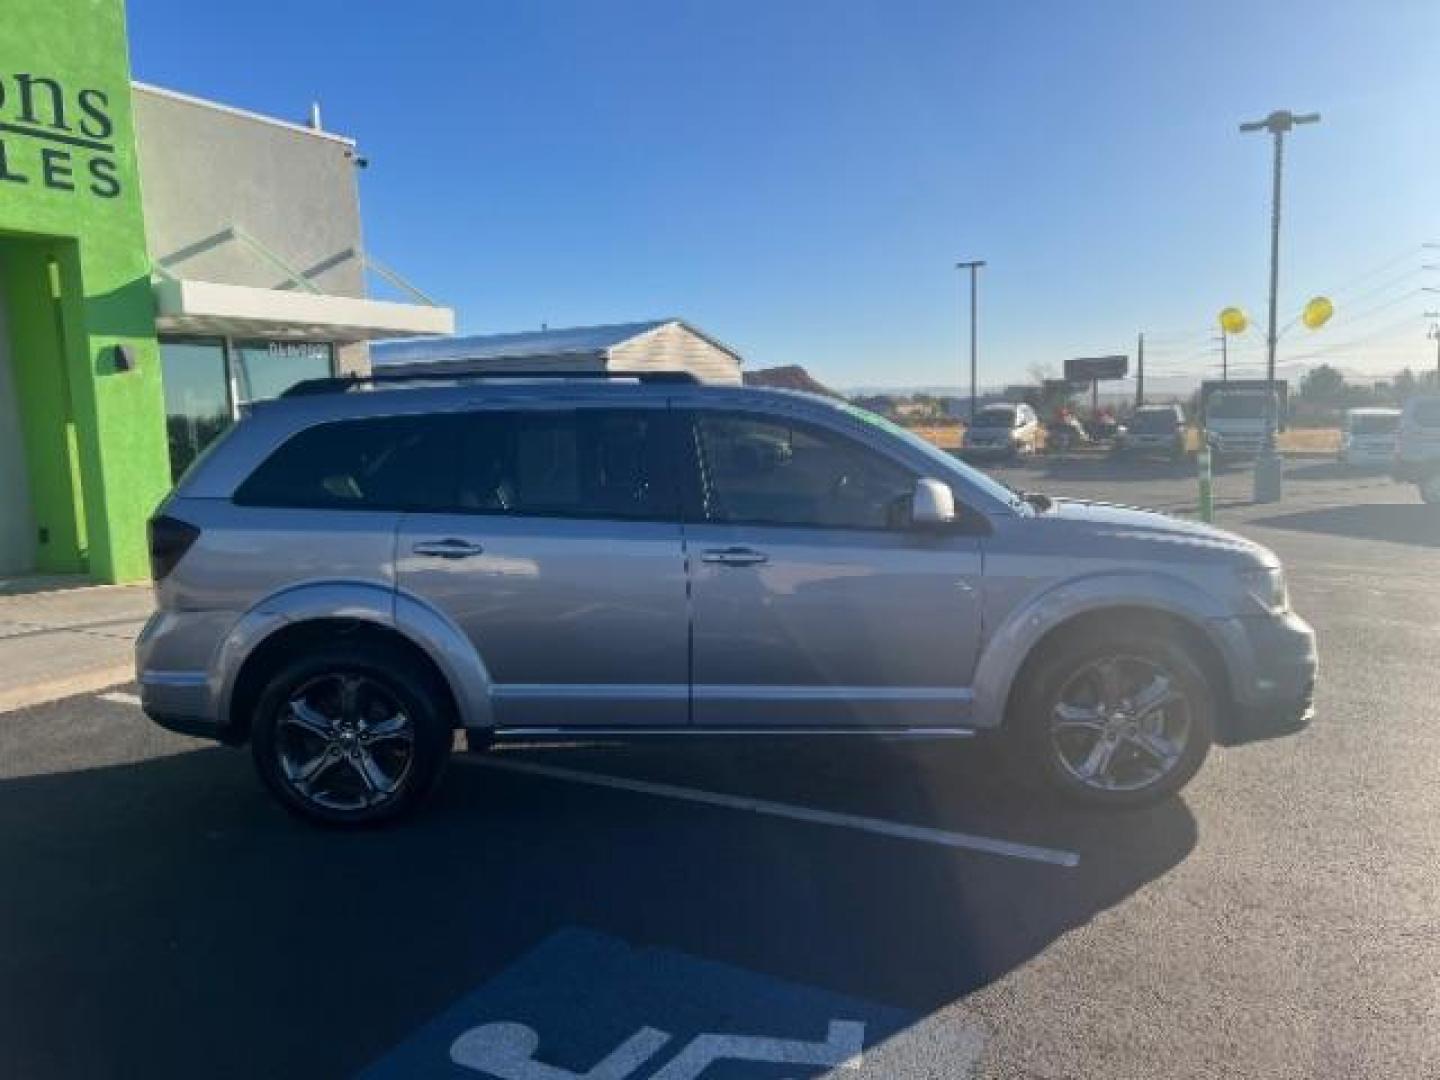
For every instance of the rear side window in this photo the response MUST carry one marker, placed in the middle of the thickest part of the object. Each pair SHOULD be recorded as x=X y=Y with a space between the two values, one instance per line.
x=581 y=463
x=378 y=463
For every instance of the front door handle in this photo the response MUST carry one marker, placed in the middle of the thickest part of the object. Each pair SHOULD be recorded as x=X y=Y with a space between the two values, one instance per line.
x=735 y=556
x=451 y=547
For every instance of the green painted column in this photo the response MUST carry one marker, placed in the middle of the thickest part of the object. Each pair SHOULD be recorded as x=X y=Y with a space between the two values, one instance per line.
x=76 y=276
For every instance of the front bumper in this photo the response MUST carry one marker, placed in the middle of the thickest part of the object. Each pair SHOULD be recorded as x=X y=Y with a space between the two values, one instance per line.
x=1004 y=449
x=1412 y=471
x=1273 y=662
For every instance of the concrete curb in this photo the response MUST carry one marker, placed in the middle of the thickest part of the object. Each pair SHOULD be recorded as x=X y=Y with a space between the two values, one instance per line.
x=86 y=682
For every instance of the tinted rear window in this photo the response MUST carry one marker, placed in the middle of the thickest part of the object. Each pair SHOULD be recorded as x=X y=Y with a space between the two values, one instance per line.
x=991 y=418
x=587 y=463
x=1154 y=420
x=378 y=463
x=583 y=463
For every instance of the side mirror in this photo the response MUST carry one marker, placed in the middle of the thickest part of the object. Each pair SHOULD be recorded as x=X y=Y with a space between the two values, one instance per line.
x=932 y=504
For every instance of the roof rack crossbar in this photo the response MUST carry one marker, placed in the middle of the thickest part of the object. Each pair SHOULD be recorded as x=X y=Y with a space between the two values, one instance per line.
x=339 y=384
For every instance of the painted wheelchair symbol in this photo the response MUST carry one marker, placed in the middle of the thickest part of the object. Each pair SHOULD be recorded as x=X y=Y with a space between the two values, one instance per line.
x=506 y=1051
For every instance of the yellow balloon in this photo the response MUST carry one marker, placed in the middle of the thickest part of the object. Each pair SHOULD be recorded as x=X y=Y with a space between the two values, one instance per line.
x=1317 y=312
x=1233 y=321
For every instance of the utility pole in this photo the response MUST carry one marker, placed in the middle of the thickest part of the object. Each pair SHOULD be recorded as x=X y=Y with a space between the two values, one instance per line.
x=974 y=268
x=1268 y=467
x=1140 y=372
x=1434 y=335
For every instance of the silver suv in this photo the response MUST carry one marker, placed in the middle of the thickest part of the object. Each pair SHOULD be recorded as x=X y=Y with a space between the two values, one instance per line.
x=358 y=569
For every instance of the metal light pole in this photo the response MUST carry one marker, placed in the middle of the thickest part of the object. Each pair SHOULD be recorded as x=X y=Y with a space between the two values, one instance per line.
x=1140 y=372
x=1268 y=467
x=974 y=268
x=1434 y=335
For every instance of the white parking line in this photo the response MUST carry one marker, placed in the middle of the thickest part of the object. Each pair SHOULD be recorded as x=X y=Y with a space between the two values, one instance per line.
x=120 y=699
x=878 y=826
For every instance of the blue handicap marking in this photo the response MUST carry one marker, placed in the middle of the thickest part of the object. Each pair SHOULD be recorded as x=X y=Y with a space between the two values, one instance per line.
x=584 y=1006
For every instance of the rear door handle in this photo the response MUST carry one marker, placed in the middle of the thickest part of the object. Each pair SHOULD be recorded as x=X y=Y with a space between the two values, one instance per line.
x=450 y=548
x=734 y=556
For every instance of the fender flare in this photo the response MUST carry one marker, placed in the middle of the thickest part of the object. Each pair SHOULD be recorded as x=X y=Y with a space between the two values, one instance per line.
x=1014 y=640
x=424 y=627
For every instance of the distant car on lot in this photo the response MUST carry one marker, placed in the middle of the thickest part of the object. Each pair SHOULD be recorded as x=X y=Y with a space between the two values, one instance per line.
x=1417 y=447
x=1367 y=437
x=356 y=570
x=1236 y=414
x=1004 y=429
x=1154 y=429
x=1065 y=433
x=1102 y=429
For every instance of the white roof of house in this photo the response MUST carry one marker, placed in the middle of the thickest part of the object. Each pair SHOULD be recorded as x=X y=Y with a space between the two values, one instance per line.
x=580 y=342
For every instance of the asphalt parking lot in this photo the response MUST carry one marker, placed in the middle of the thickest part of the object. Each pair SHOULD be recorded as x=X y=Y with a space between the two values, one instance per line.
x=776 y=910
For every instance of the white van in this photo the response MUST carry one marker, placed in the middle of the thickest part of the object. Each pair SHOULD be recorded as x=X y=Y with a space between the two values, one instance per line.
x=1367 y=437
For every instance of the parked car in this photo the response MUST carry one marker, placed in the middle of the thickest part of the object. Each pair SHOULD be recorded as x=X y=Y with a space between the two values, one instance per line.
x=359 y=568
x=1154 y=429
x=1065 y=433
x=1005 y=429
x=1102 y=429
x=1417 y=447
x=1367 y=437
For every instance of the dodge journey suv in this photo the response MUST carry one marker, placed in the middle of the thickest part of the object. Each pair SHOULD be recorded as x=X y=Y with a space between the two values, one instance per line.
x=364 y=566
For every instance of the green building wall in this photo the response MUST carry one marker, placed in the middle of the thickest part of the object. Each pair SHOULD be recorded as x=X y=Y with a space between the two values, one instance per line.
x=76 y=278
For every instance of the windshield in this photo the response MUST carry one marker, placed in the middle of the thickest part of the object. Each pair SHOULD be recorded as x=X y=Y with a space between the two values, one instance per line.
x=993 y=418
x=1373 y=424
x=1236 y=406
x=1153 y=421
x=947 y=463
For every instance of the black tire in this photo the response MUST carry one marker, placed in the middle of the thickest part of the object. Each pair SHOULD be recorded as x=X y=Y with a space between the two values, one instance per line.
x=384 y=682
x=1036 y=749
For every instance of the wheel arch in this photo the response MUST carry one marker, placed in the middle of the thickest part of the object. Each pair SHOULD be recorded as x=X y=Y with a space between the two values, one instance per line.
x=305 y=615
x=1166 y=605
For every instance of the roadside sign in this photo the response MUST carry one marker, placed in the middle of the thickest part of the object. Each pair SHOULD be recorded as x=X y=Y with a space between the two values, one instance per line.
x=1087 y=369
x=585 y=1006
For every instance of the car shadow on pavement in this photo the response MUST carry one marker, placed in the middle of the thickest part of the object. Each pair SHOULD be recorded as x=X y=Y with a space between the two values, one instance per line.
x=1397 y=523
x=184 y=923
x=1117 y=469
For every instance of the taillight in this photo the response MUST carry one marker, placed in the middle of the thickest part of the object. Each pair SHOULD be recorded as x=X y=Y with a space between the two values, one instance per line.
x=170 y=539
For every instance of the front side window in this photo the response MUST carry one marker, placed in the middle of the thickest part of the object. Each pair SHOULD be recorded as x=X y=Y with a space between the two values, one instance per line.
x=770 y=471
x=378 y=463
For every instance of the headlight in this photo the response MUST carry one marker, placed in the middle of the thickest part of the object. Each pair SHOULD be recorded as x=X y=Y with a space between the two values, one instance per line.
x=1266 y=586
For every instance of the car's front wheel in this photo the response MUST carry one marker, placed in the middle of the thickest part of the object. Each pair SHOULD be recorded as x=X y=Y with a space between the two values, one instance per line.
x=350 y=735
x=1120 y=718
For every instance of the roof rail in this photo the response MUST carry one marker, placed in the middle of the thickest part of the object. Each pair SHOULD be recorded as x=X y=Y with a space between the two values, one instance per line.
x=339 y=384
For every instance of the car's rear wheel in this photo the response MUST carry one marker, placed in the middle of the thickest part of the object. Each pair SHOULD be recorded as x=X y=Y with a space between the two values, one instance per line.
x=350 y=735
x=1430 y=489
x=1115 y=719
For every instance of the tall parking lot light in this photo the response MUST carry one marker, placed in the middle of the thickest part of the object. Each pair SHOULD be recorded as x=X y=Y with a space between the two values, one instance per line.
x=974 y=268
x=1268 y=467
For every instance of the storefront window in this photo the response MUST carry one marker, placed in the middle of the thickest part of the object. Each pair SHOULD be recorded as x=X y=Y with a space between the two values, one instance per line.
x=266 y=369
x=197 y=398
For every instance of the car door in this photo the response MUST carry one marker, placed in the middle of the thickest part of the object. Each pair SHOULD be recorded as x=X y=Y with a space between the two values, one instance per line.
x=814 y=603
x=561 y=561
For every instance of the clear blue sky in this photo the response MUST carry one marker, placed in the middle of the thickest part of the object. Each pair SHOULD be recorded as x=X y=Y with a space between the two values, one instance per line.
x=799 y=177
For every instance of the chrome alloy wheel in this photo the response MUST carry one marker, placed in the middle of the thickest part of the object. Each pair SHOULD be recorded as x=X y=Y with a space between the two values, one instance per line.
x=344 y=742
x=1120 y=723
